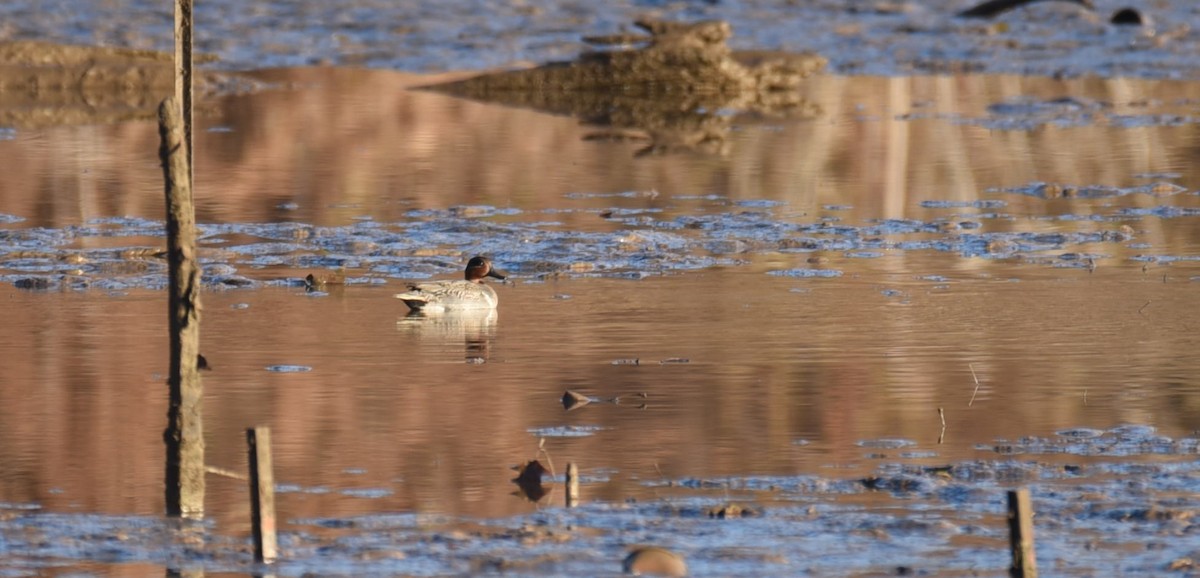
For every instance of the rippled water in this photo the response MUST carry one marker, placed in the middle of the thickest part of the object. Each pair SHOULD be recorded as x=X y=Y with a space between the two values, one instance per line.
x=799 y=303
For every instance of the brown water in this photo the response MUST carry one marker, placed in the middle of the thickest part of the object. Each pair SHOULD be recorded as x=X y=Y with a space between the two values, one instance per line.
x=784 y=375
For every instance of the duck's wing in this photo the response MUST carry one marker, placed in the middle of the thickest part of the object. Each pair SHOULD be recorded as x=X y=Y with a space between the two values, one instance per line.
x=450 y=294
x=419 y=294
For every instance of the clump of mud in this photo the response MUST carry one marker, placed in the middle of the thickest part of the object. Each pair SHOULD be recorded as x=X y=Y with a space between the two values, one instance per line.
x=678 y=83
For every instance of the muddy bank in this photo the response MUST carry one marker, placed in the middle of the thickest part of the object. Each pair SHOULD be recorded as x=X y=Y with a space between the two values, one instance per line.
x=883 y=37
x=678 y=83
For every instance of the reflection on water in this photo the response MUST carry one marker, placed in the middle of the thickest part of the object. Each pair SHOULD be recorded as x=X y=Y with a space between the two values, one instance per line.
x=473 y=328
x=350 y=145
x=783 y=377
x=787 y=373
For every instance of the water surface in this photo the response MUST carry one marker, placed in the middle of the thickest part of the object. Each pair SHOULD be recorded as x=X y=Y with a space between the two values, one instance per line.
x=818 y=287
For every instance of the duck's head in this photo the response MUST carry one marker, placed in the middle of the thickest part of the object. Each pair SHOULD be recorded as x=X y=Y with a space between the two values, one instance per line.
x=479 y=267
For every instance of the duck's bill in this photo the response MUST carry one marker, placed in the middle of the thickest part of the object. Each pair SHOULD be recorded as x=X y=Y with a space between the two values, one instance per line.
x=497 y=274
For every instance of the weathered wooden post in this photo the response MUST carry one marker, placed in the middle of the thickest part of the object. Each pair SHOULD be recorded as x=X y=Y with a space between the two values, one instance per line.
x=185 y=432
x=262 y=494
x=183 y=72
x=572 y=485
x=1020 y=528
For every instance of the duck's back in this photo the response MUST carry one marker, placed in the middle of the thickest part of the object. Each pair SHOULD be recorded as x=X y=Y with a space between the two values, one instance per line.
x=445 y=295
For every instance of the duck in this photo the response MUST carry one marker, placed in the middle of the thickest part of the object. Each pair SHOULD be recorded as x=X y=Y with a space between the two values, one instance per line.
x=469 y=294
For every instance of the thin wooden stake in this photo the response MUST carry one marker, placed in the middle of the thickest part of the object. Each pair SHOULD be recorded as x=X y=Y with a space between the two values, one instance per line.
x=262 y=494
x=572 y=485
x=185 y=431
x=1020 y=528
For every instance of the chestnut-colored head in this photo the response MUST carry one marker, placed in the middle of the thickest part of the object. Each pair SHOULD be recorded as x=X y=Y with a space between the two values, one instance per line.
x=479 y=267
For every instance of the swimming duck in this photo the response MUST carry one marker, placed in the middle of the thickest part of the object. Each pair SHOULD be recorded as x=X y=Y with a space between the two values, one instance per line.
x=470 y=293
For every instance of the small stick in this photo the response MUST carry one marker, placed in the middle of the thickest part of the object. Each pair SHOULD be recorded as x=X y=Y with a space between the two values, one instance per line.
x=262 y=494
x=227 y=473
x=1142 y=308
x=542 y=452
x=572 y=485
x=1020 y=528
x=941 y=435
x=976 y=377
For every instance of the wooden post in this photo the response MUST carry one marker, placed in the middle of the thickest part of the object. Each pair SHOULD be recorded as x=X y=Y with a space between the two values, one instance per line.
x=262 y=494
x=185 y=432
x=183 y=71
x=572 y=485
x=1020 y=528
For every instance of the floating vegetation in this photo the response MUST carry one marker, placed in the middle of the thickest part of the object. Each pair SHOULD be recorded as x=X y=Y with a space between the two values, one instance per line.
x=1025 y=114
x=976 y=204
x=647 y=241
x=567 y=431
x=887 y=444
x=1056 y=191
x=1121 y=441
x=1161 y=211
x=368 y=493
x=806 y=273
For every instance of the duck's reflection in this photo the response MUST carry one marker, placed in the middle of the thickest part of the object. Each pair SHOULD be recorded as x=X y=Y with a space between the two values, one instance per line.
x=475 y=327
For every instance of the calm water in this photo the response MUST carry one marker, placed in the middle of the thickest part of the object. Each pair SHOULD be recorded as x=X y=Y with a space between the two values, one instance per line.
x=784 y=377
x=921 y=195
